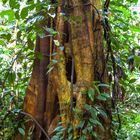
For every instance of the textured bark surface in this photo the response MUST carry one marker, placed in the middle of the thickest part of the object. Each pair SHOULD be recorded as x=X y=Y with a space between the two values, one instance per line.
x=49 y=95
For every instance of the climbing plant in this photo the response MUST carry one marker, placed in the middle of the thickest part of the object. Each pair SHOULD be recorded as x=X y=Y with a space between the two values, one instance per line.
x=22 y=22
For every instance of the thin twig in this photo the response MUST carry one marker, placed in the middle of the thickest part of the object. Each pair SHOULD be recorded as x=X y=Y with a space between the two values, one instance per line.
x=37 y=123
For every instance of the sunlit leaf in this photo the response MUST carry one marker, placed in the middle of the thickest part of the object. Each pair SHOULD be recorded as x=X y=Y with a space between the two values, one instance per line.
x=135 y=29
x=103 y=85
x=8 y=13
x=56 y=42
x=21 y=131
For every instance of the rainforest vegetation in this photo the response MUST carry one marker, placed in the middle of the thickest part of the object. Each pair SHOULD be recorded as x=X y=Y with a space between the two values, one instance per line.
x=69 y=70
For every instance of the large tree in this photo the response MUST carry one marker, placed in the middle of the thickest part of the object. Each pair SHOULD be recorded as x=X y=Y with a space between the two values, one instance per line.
x=68 y=81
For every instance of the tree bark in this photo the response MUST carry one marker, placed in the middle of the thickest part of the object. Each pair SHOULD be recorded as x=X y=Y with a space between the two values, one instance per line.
x=82 y=61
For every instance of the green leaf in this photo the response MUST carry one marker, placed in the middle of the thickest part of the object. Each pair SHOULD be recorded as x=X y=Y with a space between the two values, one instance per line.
x=21 y=131
x=102 y=112
x=54 y=61
x=91 y=120
x=94 y=113
x=137 y=59
x=83 y=137
x=87 y=107
x=8 y=13
x=89 y=128
x=132 y=80
x=135 y=29
x=16 y=110
x=14 y=4
x=51 y=31
x=107 y=95
x=104 y=85
x=94 y=134
x=91 y=93
x=24 y=13
x=30 y=43
x=4 y=1
x=41 y=35
x=81 y=125
x=135 y=1
x=56 y=42
x=17 y=16
x=11 y=77
x=18 y=34
x=84 y=131
x=70 y=129
x=59 y=128
x=103 y=96
x=96 y=122
x=7 y=36
x=2 y=42
x=96 y=88
x=92 y=110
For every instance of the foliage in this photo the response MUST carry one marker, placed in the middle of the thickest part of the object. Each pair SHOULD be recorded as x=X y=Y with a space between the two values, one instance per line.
x=89 y=117
x=125 y=42
x=20 y=24
x=16 y=56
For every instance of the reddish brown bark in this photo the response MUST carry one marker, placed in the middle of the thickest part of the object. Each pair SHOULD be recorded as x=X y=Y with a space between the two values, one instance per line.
x=49 y=95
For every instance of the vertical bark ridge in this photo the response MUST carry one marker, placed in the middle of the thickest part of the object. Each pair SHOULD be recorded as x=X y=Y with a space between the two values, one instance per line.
x=64 y=89
x=58 y=77
x=34 y=103
x=42 y=85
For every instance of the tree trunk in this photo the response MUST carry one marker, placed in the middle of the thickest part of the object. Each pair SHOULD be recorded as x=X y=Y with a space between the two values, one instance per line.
x=51 y=97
